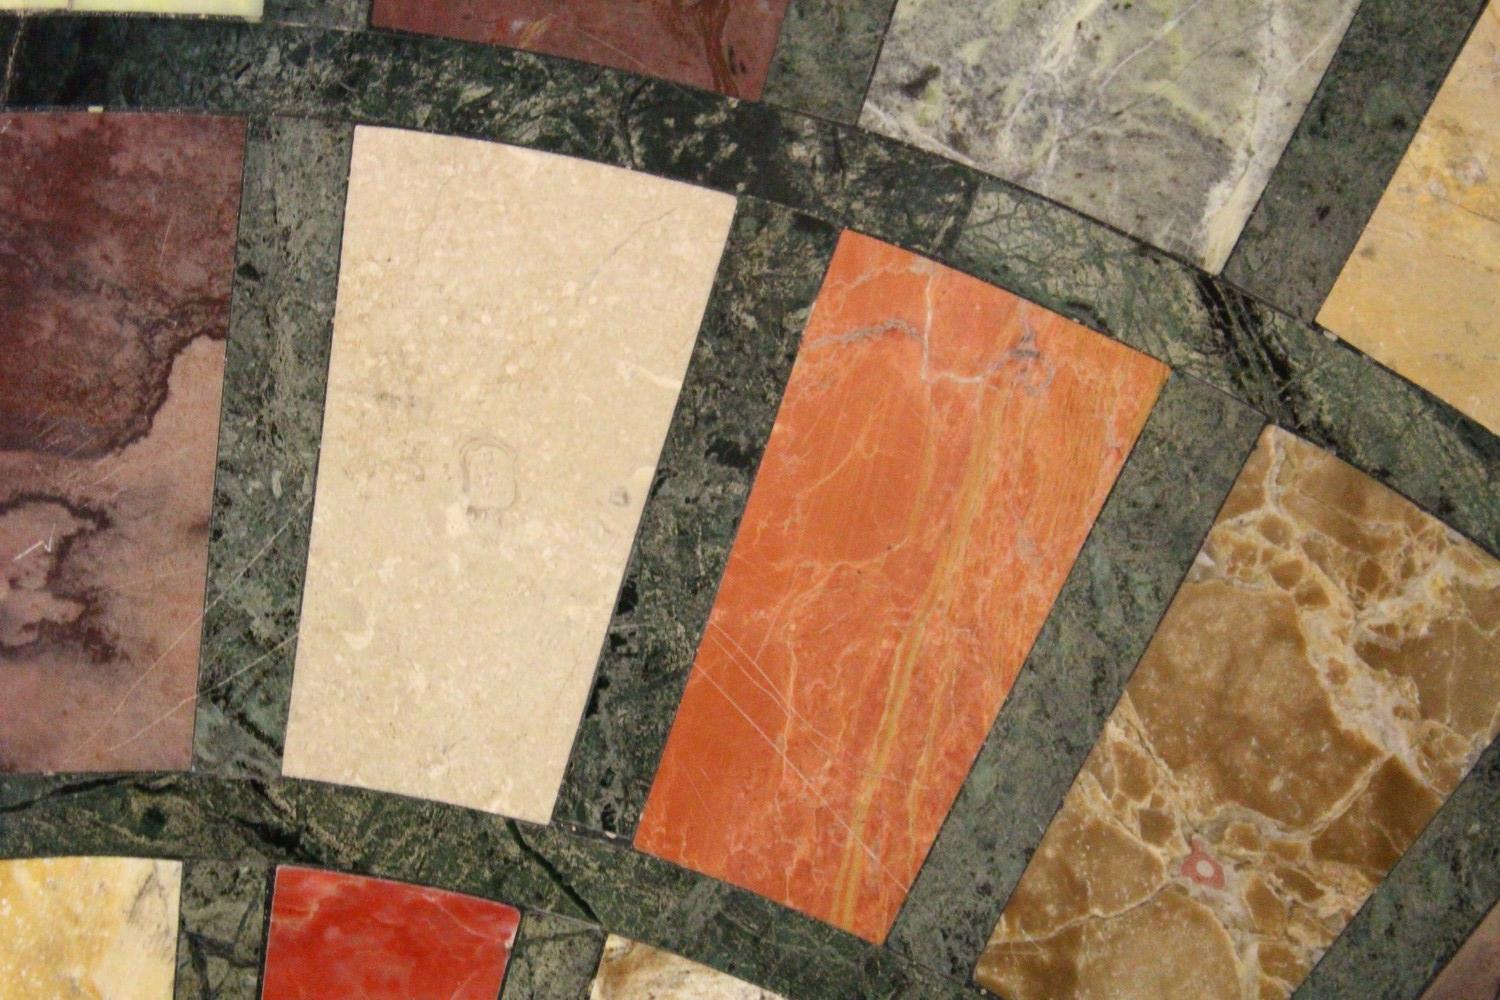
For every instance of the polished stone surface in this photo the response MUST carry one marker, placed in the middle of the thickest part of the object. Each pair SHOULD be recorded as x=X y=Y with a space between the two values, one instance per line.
x=116 y=254
x=629 y=970
x=487 y=449
x=88 y=928
x=826 y=55
x=554 y=958
x=1162 y=119
x=221 y=941
x=1474 y=973
x=721 y=45
x=230 y=8
x=1421 y=292
x=1318 y=687
x=335 y=936
x=938 y=458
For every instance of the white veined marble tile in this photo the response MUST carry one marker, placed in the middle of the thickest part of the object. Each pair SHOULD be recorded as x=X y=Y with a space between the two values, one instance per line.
x=629 y=970
x=251 y=9
x=511 y=336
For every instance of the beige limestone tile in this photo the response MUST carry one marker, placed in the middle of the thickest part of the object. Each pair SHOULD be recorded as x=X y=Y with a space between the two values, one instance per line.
x=88 y=928
x=1421 y=292
x=251 y=9
x=630 y=970
x=512 y=331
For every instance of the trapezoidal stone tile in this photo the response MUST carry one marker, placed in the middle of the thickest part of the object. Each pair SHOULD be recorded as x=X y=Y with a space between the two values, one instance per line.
x=249 y=9
x=629 y=970
x=721 y=45
x=1322 y=680
x=940 y=454
x=88 y=928
x=511 y=334
x=117 y=241
x=1162 y=119
x=1473 y=973
x=1421 y=291
x=335 y=936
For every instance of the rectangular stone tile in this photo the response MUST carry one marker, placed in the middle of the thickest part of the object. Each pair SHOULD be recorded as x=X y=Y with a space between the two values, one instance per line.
x=250 y=9
x=554 y=958
x=335 y=936
x=1164 y=120
x=826 y=55
x=1474 y=973
x=721 y=45
x=1421 y=292
x=1319 y=685
x=116 y=256
x=221 y=943
x=511 y=335
x=940 y=453
x=629 y=970
x=88 y=927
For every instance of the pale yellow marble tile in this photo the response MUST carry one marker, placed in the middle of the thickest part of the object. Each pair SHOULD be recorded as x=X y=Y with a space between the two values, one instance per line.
x=251 y=9
x=88 y=928
x=630 y=970
x=1421 y=292
x=512 y=332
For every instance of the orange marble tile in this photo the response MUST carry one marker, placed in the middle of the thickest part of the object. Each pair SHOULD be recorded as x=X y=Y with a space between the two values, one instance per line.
x=940 y=454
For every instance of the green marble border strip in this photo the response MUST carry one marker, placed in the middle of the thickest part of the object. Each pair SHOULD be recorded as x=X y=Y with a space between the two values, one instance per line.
x=592 y=879
x=1140 y=548
x=826 y=56
x=768 y=277
x=1304 y=380
x=1383 y=77
x=280 y=330
x=348 y=14
x=221 y=940
x=554 y=958
x=1431 y=901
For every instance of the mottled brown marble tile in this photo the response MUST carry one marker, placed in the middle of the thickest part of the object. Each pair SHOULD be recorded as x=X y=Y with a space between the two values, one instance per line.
x=116 y=253
x=1321 y=682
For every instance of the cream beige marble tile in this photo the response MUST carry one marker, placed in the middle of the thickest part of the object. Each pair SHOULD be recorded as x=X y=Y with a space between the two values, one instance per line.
x=88 y=928
x=512 y=331
x=1421 y=292
x=630 y=970
x=251 y=9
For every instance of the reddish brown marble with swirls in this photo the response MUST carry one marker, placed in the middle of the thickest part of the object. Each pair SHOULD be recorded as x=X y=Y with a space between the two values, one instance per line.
x=721 y=45
x=116 y=257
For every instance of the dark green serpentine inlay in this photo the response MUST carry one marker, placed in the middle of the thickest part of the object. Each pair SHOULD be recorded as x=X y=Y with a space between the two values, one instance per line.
x=1136 y=556
x=554 y=958
x=276 y=369
x=1345 y=150
x=826 y=56
x=768 y=277
x=590 y=879
x=1427 y=906
x=350 y=14
x=221 y=941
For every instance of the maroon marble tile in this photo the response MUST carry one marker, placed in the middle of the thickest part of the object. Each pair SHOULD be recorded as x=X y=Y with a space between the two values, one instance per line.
x=116 y=258
x=722 y=45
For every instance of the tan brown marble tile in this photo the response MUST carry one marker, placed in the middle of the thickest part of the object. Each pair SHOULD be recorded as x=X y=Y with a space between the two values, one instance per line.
x=1421 y=292
x=629 y=970
x=1321 y=682
x=88 y=928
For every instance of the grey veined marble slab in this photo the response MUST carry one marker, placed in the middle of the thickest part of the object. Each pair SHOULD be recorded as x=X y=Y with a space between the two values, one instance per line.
x=1163 y=118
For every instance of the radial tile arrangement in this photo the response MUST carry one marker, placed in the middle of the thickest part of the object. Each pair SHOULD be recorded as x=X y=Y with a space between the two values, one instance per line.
x=750 y=499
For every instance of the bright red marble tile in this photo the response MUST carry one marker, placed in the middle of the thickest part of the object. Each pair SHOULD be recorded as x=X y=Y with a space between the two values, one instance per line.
x=941 y=452
x=336 y=936
x=722 y=45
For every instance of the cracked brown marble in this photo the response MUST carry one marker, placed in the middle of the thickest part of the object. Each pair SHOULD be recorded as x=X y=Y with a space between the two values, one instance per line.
x=116 y=256
x=1321 y=682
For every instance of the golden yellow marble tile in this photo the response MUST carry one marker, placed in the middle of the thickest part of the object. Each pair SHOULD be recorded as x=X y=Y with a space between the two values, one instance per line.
x=250 y=9
x=630 y=970
x=512 y=332
x=1421 y=292
x=88 y=928
x=1321 y=682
